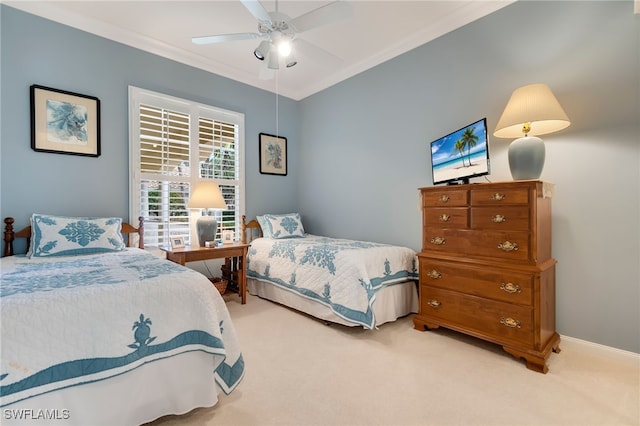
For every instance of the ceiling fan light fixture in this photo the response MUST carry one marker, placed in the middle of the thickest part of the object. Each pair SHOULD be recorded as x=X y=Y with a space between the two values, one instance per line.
x=273 y=61
x=262 y=50
x=284 y=47
x=291 y=61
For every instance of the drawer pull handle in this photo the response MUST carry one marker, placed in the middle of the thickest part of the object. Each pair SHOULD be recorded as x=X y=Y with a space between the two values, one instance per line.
x=444 y=198
x=498 y=218
x=510 y=322
x=444 y=217
x=439 y=241
x=508 y=246
x=434 y=274
x=498 y=197
x=435 y=304
x=510 y=288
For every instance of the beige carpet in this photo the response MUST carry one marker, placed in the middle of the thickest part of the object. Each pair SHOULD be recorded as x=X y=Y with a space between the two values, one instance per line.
x=302 y=372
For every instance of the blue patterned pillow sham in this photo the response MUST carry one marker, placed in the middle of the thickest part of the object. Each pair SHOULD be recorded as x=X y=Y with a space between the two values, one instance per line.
x=64 y=236
x=281 y=225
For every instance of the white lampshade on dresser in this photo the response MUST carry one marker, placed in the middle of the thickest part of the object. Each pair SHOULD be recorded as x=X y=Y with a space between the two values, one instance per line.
x=532 y=110
x=206 y=195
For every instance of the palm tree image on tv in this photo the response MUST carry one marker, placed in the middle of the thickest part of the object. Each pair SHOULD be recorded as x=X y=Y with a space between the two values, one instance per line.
x=468 y=141
x=459 y=148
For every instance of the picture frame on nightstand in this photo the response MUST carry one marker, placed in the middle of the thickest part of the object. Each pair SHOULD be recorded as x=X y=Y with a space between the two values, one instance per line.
x=228 y=236
x=177 y=242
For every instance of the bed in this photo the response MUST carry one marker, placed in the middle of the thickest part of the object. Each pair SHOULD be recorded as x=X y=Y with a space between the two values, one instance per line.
x=354 y=283
x=103 y=333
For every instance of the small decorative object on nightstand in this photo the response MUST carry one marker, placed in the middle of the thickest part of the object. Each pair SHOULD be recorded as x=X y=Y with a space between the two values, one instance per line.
x=177 y=242
x=227 y=236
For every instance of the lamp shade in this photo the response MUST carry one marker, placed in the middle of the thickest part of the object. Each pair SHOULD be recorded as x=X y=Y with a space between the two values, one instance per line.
x=534 y=104
x=206 y=195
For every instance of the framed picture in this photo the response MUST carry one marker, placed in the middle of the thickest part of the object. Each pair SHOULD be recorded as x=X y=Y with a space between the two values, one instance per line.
x=177 y=242
x=64 y=122
x=227 y=236
x=273 y=155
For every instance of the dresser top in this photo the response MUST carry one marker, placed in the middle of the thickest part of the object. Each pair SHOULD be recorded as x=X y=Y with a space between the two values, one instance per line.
x=546 y=188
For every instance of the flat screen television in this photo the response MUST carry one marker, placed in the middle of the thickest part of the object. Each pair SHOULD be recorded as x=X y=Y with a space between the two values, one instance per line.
x=461 y=155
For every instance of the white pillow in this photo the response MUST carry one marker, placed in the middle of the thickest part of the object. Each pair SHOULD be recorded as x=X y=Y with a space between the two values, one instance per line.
x=64 y=236
x=281 y=225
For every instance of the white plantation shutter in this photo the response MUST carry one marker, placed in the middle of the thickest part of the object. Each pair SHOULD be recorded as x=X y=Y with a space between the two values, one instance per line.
x=173 y=144
x=219 y=161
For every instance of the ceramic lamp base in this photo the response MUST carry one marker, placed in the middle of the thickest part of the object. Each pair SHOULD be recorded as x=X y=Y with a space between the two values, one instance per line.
x=206 y=227
x=526 y=158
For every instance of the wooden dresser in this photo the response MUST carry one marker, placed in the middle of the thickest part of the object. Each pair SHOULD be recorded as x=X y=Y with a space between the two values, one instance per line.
x=486 y=267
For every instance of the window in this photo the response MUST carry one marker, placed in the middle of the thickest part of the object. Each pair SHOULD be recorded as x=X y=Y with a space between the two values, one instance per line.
x=174 y=143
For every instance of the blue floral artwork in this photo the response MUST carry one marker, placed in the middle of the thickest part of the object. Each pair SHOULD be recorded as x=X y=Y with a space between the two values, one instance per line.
x=67 y=122
x=274 y=155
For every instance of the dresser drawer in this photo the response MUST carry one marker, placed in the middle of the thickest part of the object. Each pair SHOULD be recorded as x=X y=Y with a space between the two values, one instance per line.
x=499 y=196
x=515 y=218
x=511 y=245
x=447 y=217
x=502 y=321
x=445 y=197
x=482 y=281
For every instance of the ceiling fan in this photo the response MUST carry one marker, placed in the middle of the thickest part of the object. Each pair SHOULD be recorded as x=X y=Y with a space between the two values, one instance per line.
x=279 y=32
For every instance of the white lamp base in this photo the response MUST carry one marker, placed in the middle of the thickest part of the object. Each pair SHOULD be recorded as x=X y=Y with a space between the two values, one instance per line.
x=526 y=158
x=206 y=227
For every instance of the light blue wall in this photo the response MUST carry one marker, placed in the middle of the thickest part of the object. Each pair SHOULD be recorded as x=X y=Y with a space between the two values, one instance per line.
x=39 y=51
x=358 y=150
x=364 y=145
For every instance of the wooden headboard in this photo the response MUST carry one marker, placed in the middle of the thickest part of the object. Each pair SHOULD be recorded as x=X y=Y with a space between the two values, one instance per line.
x=250 y=231
x=10 y=235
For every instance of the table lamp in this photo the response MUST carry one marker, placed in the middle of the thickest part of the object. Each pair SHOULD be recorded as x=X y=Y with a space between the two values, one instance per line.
x=206 y=195
x=532 y=110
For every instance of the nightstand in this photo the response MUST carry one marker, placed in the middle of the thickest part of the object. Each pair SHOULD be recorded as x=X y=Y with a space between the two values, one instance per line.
x=235 y=265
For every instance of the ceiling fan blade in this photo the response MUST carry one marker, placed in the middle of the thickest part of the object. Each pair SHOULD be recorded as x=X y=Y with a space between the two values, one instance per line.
x=257 y=10
x=224 y=37
x=328 y=14
x=306 y=51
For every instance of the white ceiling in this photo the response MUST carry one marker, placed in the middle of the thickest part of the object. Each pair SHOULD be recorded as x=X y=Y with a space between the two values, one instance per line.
x=376 y=31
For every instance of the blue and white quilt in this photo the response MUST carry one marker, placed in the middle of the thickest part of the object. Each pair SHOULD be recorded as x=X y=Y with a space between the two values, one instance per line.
x=344 y=275
x=78 y=319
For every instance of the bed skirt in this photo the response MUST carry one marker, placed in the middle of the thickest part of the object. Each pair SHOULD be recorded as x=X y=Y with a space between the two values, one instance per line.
x=392 y=302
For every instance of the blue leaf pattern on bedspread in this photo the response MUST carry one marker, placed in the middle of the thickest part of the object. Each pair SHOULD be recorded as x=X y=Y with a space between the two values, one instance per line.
x=80 y=271
x=283 y=249
x=321 y=256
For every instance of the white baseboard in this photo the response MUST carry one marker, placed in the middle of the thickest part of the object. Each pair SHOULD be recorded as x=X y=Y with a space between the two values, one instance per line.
x=602 y=350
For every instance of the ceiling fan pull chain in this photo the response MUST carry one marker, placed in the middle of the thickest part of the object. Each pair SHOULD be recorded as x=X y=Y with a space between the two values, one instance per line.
x=277 y=108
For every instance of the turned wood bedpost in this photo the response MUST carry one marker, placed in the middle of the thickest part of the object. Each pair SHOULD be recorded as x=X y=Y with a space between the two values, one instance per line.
x=243 y=238
x=141 y=232
x=8 y=236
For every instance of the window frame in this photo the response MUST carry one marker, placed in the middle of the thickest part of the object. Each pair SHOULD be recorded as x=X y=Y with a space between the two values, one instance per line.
x=195 y=111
